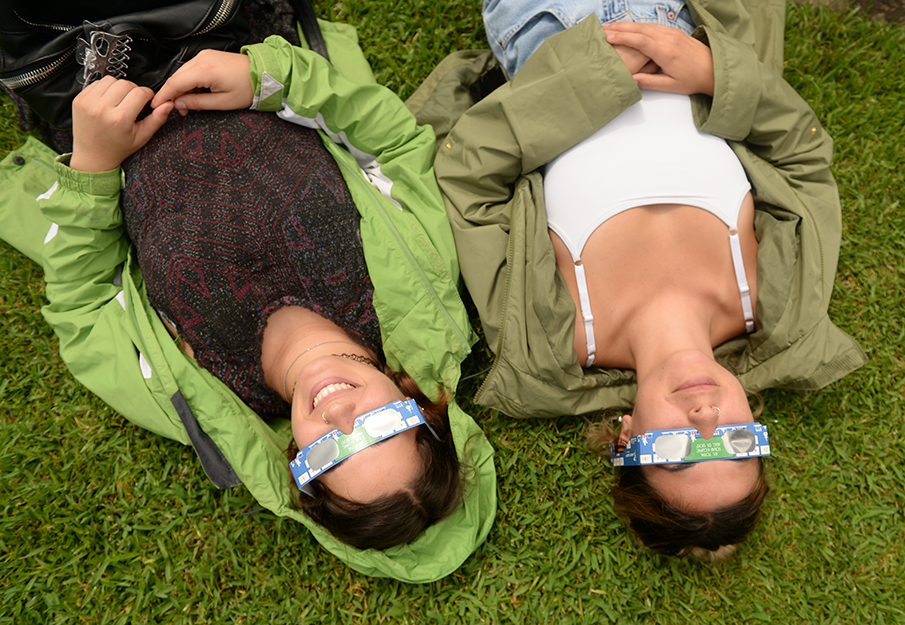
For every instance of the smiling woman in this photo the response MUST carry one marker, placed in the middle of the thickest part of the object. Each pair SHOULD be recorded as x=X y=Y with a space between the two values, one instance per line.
x=269 y=291
x=290 y=262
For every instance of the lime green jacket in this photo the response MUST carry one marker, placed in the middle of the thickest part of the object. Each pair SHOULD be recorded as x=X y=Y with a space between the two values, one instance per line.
x=114 y=342
x=575 y=84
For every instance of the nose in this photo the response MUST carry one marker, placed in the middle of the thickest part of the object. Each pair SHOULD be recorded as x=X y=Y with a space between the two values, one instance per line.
x=341 y=416
x=705 y=418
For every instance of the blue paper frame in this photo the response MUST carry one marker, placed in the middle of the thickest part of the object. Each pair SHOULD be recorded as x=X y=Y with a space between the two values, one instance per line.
x=640 y=449
x=410 y=417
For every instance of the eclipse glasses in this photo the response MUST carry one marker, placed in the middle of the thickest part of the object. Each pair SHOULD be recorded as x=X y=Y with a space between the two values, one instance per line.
x=745 y=440
x=370 y=428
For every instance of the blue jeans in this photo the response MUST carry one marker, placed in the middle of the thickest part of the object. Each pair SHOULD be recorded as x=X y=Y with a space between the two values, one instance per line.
x=516 y=28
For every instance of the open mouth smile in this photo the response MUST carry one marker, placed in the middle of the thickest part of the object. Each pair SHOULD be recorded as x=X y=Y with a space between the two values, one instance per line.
x=329 y=389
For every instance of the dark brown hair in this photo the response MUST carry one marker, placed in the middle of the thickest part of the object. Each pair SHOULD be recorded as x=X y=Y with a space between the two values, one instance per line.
x=668 y=529
x=401 y=517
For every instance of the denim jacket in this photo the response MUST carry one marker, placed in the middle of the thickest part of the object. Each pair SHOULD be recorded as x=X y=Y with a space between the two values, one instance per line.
x=517 y=28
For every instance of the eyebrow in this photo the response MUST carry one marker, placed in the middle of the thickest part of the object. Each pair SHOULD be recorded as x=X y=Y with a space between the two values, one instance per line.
x=675 y=467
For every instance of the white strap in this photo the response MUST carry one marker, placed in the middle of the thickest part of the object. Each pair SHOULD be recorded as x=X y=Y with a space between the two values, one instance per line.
x=736 y=246
x=740 y=277
x=585 y=302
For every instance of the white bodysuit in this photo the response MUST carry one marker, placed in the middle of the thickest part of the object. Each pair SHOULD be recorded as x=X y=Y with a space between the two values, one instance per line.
x=650 y=154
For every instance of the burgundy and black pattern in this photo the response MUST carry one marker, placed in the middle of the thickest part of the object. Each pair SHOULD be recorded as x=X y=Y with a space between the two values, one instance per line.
x=235 y=215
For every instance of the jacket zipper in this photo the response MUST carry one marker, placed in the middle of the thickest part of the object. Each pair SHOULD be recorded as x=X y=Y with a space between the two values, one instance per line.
x=60 y=27
x=20 y=81
x=220 y=17
x=36 y=75
x=358 y=176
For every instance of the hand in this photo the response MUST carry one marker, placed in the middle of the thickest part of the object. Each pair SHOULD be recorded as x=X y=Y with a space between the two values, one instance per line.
x=223 y=75
x=686 y=64
x=635 y=61
x=104 y=127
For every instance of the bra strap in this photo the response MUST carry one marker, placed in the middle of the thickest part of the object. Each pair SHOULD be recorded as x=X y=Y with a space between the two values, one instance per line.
x=585 y=302
x=736 y=246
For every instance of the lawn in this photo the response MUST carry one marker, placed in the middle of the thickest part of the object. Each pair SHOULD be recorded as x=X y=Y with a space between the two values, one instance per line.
x=103 y=522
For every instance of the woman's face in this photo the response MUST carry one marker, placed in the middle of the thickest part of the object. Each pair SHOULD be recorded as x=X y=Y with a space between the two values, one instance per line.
x=684 y=392
x=340 y=390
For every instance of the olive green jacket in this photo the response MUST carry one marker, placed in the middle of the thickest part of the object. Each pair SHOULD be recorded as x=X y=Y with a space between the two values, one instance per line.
x=575 y=84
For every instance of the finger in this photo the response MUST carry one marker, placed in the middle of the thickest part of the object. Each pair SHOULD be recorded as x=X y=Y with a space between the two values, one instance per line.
x=99 y=87
x=183 y=81
x=134 y=101
x=631 y=39
x=118 y=103
x=644 y=28
x=206 y=102
x=146 y=128
x=657 y=82
x=99 y=98
x=93 y=94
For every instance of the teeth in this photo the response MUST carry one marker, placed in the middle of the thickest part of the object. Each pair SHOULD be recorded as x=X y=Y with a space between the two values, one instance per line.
x=332 y=388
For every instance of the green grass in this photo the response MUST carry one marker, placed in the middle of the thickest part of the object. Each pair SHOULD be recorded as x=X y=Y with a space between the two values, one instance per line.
x=103 y=522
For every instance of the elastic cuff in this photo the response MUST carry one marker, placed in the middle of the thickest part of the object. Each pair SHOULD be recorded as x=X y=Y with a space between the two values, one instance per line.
x=101 y=183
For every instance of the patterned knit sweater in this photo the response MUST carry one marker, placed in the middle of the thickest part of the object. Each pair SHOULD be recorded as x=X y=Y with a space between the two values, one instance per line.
x=233 y=216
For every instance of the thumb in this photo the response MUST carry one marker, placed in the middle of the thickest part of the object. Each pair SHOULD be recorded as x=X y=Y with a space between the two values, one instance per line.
x=146 y=128
x=210 y=101
x=656 y=82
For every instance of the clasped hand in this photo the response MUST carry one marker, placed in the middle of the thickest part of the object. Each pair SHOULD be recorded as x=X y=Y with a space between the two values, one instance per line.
x=685 y=64
x=105 y=125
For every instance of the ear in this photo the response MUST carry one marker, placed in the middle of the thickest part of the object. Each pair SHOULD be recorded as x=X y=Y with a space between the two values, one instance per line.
x=625 y=433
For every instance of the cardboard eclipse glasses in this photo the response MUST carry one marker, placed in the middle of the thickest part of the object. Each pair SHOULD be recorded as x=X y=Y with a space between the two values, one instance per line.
x=744 y=440
x=370 y=428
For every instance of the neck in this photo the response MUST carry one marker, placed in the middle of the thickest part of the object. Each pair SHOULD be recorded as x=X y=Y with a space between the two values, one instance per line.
x=667 y=325
x=292 y=338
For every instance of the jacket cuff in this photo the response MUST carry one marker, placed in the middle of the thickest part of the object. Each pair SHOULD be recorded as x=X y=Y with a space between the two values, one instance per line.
x=270 y=68
x=582 y=80
x=102 y=183
x=737 y=87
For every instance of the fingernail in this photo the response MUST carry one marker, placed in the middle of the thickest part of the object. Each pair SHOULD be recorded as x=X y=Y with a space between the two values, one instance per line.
x=181 y=106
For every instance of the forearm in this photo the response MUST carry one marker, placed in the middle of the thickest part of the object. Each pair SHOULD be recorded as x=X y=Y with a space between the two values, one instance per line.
x=85 y=246
x=394 y=153
x=783 y=146
x=574 y=86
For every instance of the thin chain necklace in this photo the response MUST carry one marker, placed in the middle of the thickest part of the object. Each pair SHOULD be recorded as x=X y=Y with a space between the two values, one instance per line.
x=295 y=360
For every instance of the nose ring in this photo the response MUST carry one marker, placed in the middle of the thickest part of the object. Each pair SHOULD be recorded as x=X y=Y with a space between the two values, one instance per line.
x=717 y=408
x=324 y=417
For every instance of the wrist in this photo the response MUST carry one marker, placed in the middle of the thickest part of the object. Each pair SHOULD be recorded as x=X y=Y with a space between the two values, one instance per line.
x=101 y=183
x=91 y=165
